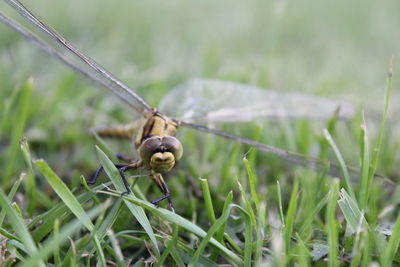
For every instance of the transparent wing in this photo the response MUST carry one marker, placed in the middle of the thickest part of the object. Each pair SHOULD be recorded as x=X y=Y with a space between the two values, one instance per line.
x=211 y=100
x=72 y=57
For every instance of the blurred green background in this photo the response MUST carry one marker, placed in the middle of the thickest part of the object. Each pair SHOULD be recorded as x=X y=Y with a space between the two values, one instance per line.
x=336 y=49
x=339 y=48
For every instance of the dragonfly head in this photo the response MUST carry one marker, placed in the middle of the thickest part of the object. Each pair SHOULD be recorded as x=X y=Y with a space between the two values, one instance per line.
x=160 y=153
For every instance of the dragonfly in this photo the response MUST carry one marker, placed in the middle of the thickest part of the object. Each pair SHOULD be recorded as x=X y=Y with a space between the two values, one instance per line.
x=154 y=135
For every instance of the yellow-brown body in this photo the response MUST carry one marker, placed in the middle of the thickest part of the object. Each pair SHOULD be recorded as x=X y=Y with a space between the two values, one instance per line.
x=153 y=138
x=157 y=147
x=156 y=125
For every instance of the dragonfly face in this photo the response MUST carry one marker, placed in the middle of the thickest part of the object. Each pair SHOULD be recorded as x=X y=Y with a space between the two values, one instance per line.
x=156 y=143
x=160 y=153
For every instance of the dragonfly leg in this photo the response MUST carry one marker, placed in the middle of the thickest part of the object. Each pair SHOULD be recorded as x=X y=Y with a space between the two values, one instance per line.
x=96 y=174
x=123 y=158
x=157 y=177
x=125 y=168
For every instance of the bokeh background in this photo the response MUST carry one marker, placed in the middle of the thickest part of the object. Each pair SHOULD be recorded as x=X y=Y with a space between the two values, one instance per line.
x=339 y=50
x=336 y=49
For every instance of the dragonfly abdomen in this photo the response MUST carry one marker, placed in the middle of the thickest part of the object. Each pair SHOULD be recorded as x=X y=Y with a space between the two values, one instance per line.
x=125 y=131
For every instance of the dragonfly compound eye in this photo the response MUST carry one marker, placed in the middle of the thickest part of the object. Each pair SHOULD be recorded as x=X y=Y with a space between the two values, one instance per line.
x=173 y=145
x=148 y=148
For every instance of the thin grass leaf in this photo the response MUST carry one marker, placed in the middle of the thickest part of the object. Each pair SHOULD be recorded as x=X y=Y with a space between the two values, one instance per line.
x=304 y=253
x=278 y=191
x=248 y=235
x=119 y=257
x=351 y=211
x=110 y=219
x=11 y=195
x=30 y=183
x=7 y=104
x=170 y=250
x=103 y=146
x=19 y=247
x=56 y=252
x=57 y=239
x=64 y=193
x=18 y=127
x=261 y=228
x=377 y=148
x=101 y=260
x=367 y=252
x=363 y=195
x=248 y=205
x=218 y=223
x=252 y=183
x=71 y=202
x=357 y=252
x=176 y=256
x=7 y=234
x=136 y=211
x=164 y=255
x=331 y=126
x=207 y=200
x=307 y=222
x=332 y=224
x=17 y=209
x=393 y=244
x=290 y=216
x=226 y=177
x=342 y=164
x=59 y=211
x=19 y=226
x=181 y=222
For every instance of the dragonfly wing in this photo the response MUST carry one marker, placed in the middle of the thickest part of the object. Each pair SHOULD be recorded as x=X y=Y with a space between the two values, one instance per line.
x=71 y=56
x=212 y=100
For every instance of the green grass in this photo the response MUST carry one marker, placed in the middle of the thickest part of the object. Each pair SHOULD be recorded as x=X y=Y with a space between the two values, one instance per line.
x=233 y=205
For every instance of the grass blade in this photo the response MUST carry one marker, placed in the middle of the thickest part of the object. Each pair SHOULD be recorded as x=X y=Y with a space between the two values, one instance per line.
x=136 y=211
x=71 y=202
x=377 y=149
x=332 y=224
x=18 y=226
x=278 y=191
x=290 y=216
x=18 y=127
x=64 y=193
x=56 y=240
x=207 y=200
x=11 y=195
x=363 y=195
x=181 y=222
x=393 y=244
x=30 y=183
x=252 y=182
x=248 y=205
x=218 y=223
x=342 y=164
x=351 y=211
x=248 y=235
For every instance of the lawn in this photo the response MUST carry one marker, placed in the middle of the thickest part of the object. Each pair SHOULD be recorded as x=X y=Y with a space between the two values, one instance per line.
x=235 y=205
